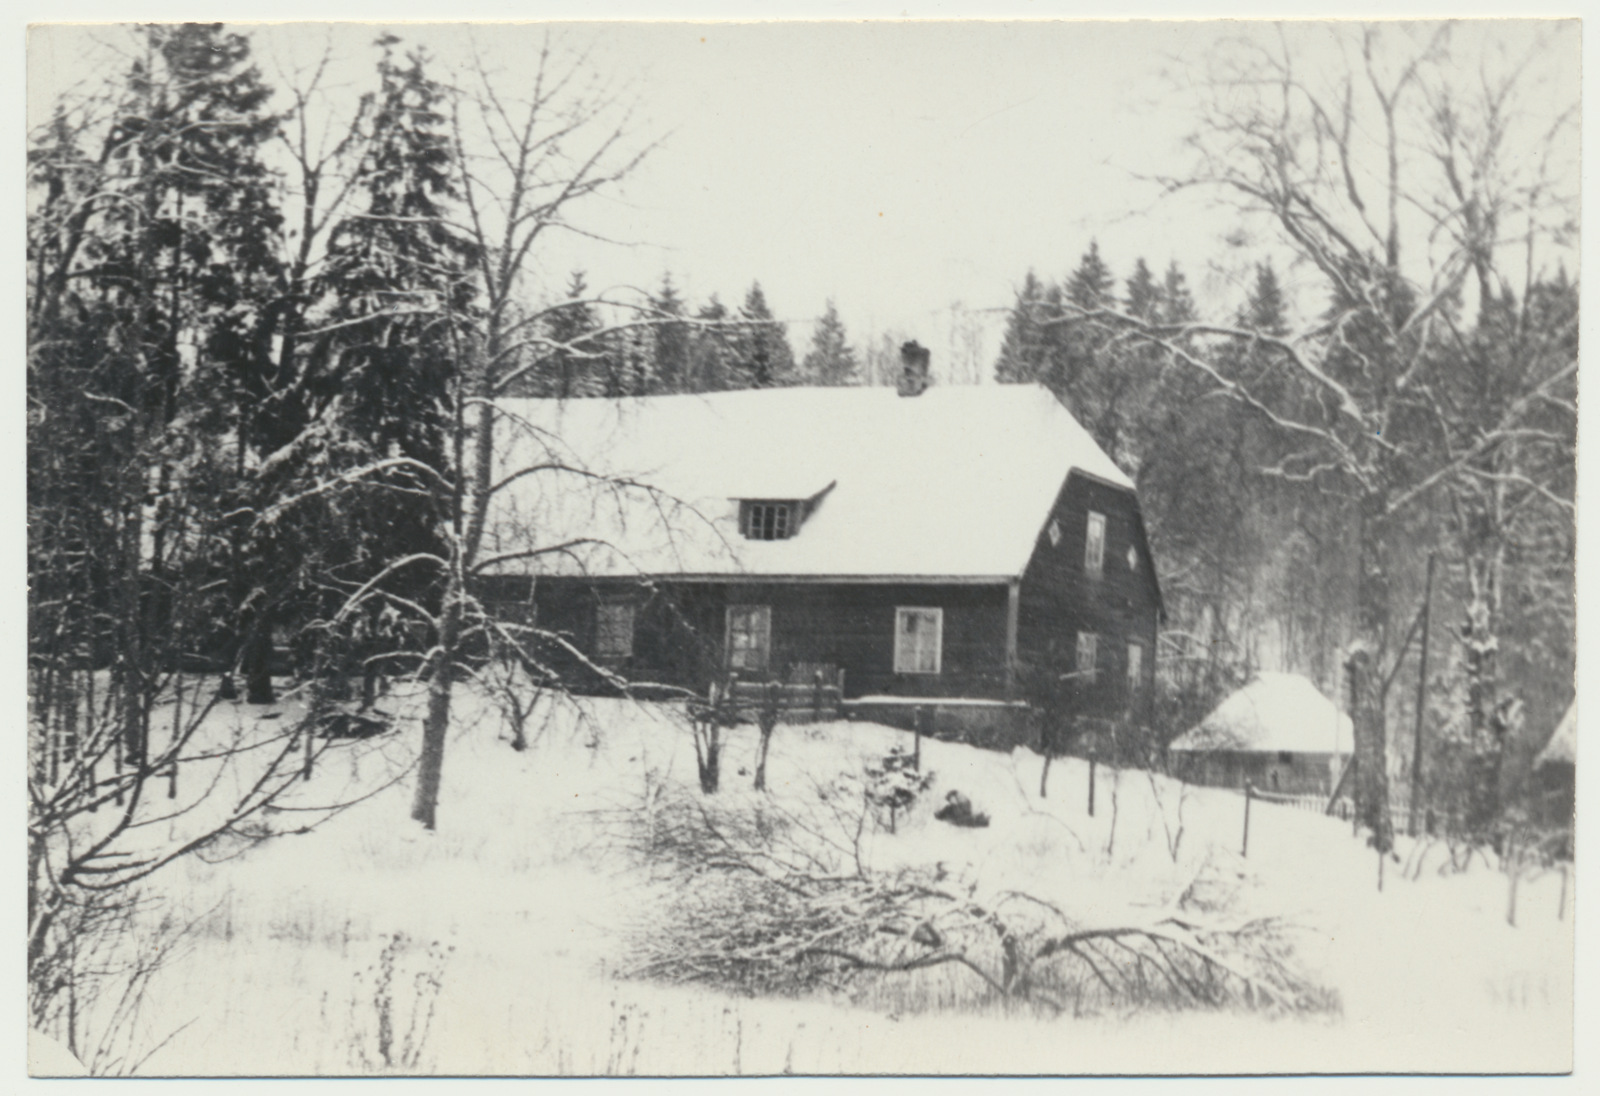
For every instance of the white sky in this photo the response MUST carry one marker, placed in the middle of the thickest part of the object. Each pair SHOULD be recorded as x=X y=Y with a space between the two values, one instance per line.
x=898 y=168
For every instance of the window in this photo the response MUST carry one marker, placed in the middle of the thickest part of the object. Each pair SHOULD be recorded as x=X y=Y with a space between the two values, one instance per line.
x=918 y=634
x=1133 y=558
x=1088 y=643
x=749 y=636
x=1094 y=544
x=1054 y=532
x=613 y=630
x=768 y=520
x=1135 y=668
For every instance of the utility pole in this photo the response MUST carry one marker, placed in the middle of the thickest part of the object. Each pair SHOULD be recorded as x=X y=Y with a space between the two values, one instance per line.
x=1422 y=699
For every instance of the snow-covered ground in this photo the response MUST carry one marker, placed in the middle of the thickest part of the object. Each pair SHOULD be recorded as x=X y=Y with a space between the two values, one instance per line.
x=494 y=945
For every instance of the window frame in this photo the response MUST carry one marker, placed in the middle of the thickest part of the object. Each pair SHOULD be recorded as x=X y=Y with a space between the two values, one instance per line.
x=631 y=612
x=910 y=661
x=759 y=517
x=762 y=632
x=1135 y=669
x=1094 y=550
x=1087 y=642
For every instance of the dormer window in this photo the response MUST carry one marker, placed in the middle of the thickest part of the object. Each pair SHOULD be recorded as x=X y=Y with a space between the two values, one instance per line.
x=769 y=520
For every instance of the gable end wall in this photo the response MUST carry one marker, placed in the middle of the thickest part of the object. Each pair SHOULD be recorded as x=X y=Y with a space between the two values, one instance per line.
x=1058 y=598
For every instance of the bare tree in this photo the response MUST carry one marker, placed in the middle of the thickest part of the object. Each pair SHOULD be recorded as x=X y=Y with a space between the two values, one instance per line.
x=525 y=162
x=1401 y=198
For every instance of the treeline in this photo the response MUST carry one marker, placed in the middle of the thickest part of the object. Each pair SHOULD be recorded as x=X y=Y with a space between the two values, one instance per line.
x=616 y=347
x=1257 y=531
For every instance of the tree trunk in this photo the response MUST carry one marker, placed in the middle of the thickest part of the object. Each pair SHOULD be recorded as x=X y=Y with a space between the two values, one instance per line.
x=133 y=669
x=256 y=660
x=1365 y=678
x=708 y=755
x=1489 y=715
x=761 y=756
x=768 y=722
x=425 y=806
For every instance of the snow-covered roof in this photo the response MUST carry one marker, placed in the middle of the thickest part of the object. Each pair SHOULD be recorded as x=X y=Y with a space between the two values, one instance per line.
x=1274 y=713
x=1563 y=745
x=957 y=481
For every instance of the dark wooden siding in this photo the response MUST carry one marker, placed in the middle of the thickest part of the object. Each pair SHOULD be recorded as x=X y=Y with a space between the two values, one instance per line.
x=679 y=631
x=679 y=627
x=1059 y=598
x=1285 y=774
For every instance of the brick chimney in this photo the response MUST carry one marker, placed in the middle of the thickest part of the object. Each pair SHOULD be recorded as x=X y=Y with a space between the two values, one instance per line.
x=914 y=378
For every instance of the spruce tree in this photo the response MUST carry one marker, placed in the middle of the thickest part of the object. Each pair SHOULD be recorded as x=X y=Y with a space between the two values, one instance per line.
x=378 y=385
x=1022 y=350
x=1091 y=285
x=831 y=362
x=1077 y=371
x=153 y=253
x=670 y=350
x=1265 y=311
x=762 y=357
x=1177 y=304
x=710 y=350
x=576 y=363
x=1144 y=296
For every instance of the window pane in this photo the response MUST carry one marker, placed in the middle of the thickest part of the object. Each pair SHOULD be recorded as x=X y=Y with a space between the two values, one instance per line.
x=1135 y=666
x=614 y=631
x=1086 y=652
x=1094 y=544
x=917 y=639
x=749 y=636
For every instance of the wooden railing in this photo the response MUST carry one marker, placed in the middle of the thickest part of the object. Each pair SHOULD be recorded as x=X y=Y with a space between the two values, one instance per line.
x=810 y=693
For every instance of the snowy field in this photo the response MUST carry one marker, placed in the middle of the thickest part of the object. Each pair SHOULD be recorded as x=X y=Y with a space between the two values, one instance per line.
x=500 y=944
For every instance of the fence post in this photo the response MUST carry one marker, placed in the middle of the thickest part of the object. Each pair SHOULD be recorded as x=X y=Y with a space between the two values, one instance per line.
x=1561 y=903
x=1249 y=794
x=1514 y=867
x=816 y=697
x=918 y=722
x=1091 y=787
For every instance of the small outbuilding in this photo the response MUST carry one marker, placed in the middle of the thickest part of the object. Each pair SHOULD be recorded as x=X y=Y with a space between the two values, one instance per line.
x=1278 y=733
x=1555 y=773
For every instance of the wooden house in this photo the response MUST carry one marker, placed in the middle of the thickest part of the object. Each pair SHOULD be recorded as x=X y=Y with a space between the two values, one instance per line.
x=919 y=544
x=1277 y=733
